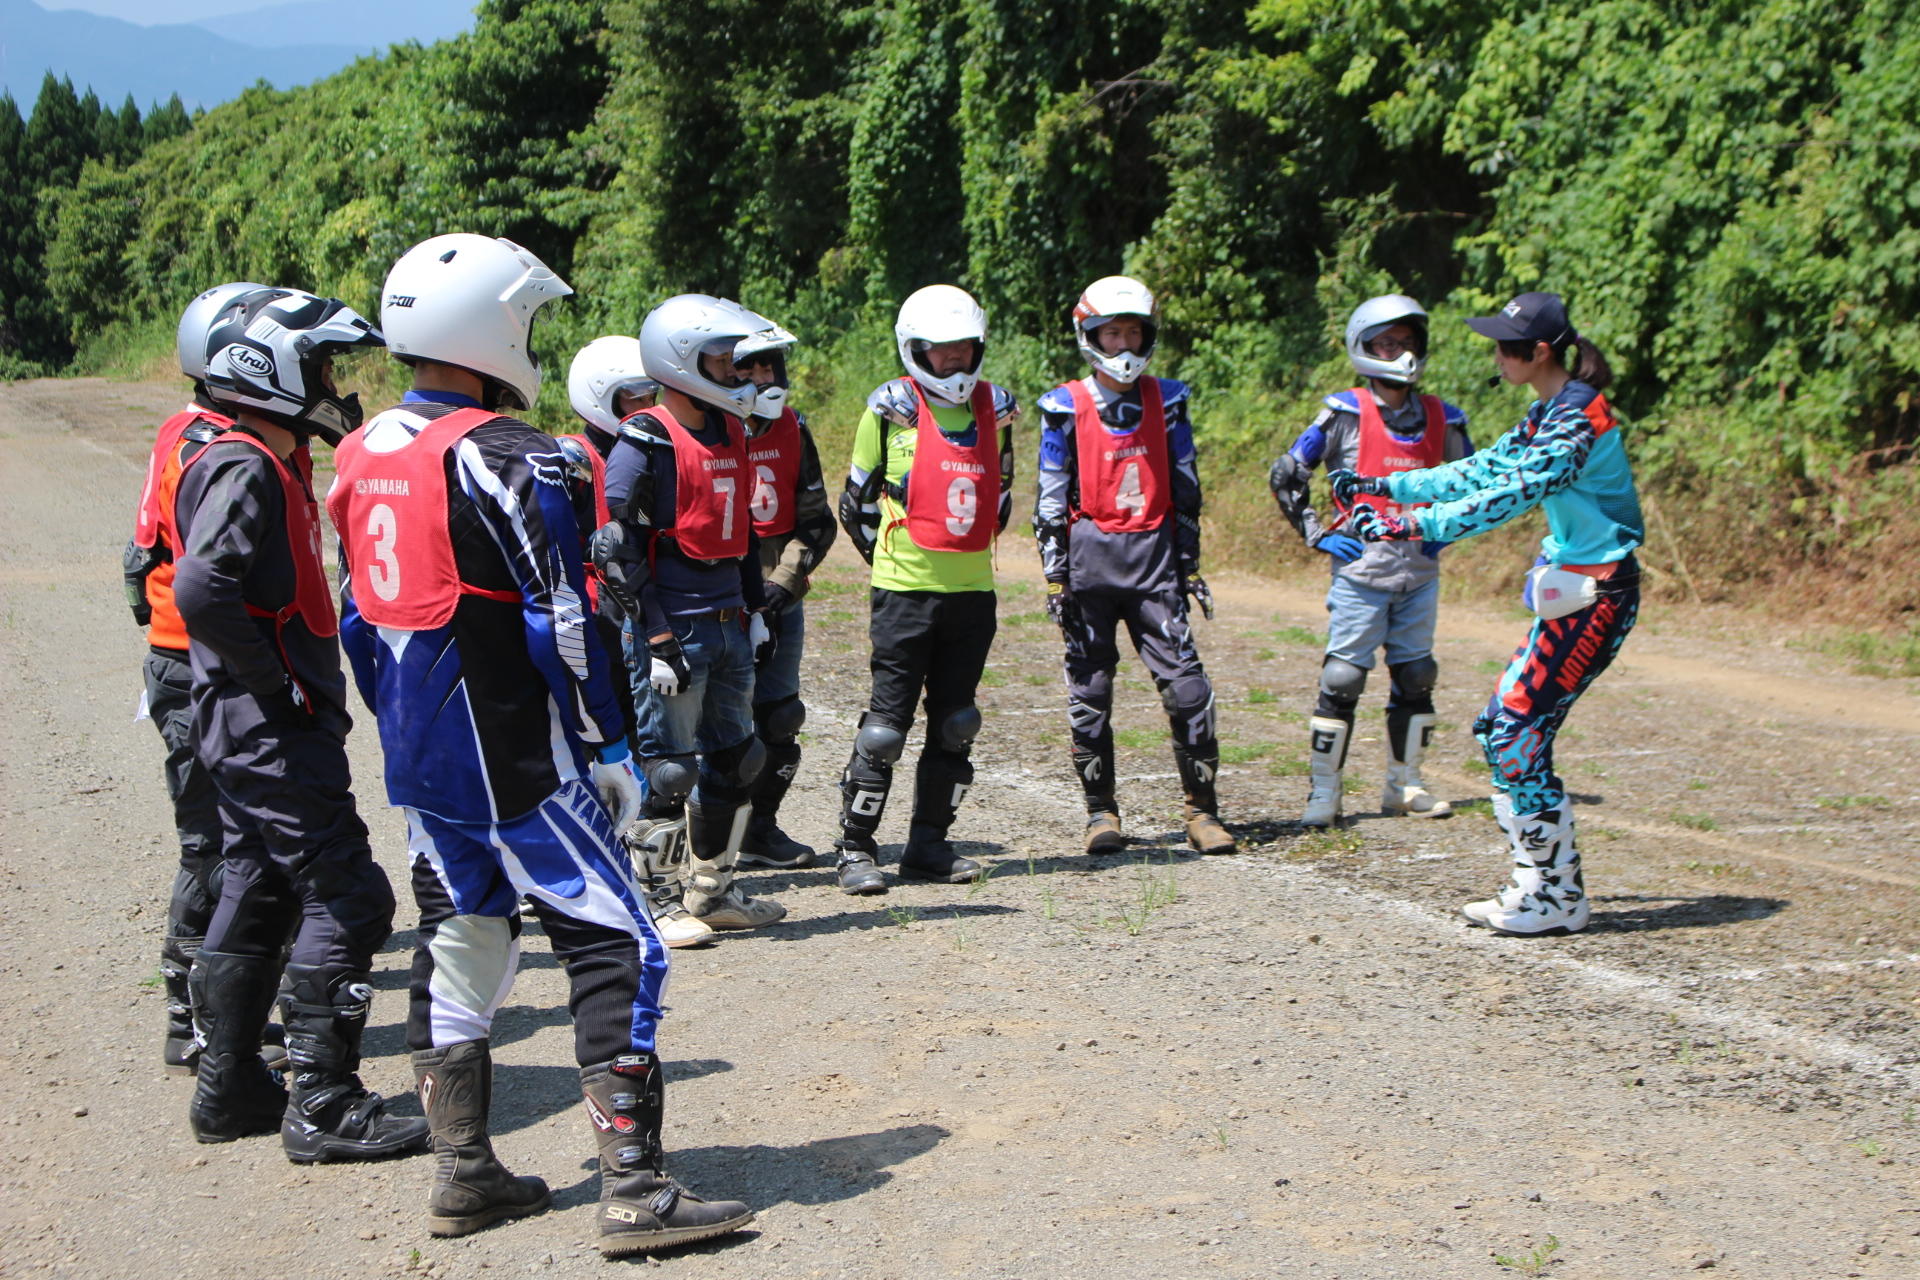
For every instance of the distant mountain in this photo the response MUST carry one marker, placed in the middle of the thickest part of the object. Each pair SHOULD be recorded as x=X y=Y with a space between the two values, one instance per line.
x=209 y=63
x=372 y=24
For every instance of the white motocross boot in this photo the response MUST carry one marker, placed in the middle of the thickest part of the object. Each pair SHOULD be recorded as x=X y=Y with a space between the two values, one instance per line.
x=1546 y=895
x=658 y=850
x=1329 y=756
x=714 y=833
x=1406 y=792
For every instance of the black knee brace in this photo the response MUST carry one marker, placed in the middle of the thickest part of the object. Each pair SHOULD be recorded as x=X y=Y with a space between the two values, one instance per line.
x=779 y=722
x=1413 y=685
x=726 y=775
x=1341 y=684
x=869 y=774
x=670 y=780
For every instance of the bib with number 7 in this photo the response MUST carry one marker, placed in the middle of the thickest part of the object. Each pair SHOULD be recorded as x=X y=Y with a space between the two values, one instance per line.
x=712 y=484
x=1124 y=486
x=390 y=510
x=953 y=491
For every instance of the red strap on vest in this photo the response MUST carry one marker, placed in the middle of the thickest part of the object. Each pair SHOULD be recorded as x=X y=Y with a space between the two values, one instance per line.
x=312 y=599
x=953 y=493
x=1124 y=482
x=1382 y=453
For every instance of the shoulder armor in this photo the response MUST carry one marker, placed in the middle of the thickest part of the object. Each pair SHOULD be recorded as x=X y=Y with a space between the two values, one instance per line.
x=1058 y=400
x=894 y=401
x=1173 y=391
x=201 y=432
x=1343 y=402
x=645 y=430
x=800 y=418
x=1004 y=405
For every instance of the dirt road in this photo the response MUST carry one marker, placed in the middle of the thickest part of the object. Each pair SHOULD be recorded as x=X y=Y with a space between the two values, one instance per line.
x=1292 y=1062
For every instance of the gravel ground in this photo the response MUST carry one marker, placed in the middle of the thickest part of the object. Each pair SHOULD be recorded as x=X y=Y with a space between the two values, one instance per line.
x=1290 y=1061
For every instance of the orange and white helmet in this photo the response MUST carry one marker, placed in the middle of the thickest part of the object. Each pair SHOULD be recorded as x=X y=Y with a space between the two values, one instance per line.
x=1103 y=300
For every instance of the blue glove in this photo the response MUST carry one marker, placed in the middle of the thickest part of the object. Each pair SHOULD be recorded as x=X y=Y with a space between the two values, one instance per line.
x=1371 y=526
x=1432 y=550
x=1341 y=546
x=1348 y=484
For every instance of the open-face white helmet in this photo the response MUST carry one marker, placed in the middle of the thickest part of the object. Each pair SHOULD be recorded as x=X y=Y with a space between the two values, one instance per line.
x=677 y=332
x=770 y=342
x=1104 y=299
x=1372 y=318
x=265 y=351
x=600 y=371
x=190 y=340
x=469 y=301
x=935 y=314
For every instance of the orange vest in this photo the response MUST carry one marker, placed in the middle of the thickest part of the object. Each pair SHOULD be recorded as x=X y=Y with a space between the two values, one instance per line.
x=153 y=521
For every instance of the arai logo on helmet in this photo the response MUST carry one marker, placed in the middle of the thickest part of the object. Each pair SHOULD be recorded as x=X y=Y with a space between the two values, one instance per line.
x=249 y=360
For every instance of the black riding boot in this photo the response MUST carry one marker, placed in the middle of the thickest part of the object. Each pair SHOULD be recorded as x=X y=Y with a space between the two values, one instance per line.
x=235 y=1095
x=330 y=1114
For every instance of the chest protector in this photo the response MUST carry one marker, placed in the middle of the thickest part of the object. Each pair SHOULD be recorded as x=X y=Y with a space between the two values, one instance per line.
x=1124 y=485
x=153 y=521
x=312 y=601
x=1382 y=453
x=391 y=513
x=774 y=455
x=710 y=515
x=953 y=493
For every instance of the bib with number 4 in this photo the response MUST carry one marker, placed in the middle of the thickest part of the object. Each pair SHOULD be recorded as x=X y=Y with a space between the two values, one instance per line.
x=1124 y=486
x=390 y=510
x=953 y=491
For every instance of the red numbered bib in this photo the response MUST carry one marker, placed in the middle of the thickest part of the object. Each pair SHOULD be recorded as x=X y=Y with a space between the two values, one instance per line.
x=1124 y=485
x=710 y=516
x=153 y=521
x=774 y=456
x=312 y=599
x=1383 y=453
x=953 y=493
x=390 y=510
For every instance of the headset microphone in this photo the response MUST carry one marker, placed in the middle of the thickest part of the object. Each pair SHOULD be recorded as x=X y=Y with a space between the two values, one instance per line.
x=1495 y=380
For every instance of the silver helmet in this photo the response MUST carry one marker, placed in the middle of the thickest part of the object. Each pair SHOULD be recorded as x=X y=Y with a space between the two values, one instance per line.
x=677 y=332
x=600 y=371
x=1372 y=318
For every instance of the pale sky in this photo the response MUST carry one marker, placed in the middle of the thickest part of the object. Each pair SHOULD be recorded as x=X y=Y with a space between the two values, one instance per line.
x=151 y=12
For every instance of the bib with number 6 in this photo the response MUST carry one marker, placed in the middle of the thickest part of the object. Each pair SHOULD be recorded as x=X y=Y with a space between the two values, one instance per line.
x=774 y=455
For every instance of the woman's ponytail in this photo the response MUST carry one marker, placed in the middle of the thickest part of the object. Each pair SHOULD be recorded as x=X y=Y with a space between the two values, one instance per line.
x=1588 y=364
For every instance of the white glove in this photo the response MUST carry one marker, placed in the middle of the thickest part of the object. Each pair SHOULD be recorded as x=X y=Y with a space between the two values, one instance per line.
x=619 y=786
x=668 y=672
x=759 y=638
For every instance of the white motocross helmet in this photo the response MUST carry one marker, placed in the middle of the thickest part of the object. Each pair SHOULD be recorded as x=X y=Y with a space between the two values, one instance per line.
x=190 y=340
x=676 y=332
x=941 y=313
x=264 y=353
x=1104 y=299
x=1373 y=317
x=600 y=371
x=770 y=340
x=469 y=301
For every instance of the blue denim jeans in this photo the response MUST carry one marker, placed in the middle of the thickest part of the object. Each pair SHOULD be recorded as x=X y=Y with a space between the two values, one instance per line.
x=1362 y=619
x=712 y=711
x=780 y=677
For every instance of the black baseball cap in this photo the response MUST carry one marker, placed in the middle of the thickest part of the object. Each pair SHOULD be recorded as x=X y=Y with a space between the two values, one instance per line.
x=1531 y=317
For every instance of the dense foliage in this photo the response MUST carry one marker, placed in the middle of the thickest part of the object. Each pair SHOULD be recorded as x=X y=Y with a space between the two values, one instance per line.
x=1727 y=191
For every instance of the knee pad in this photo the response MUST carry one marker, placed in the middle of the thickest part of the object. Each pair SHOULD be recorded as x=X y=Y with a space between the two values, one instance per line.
x=1340 y=686
x=879 y=742
x=740 y=763
x=954 y=730
x=780 y=721
x=669 y=778
x=358 y=896
x=1413 y=682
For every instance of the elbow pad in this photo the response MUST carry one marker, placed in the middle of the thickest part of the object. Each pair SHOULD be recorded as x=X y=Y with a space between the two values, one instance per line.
x=136 y=562
x=622 y=566
x=861 y=520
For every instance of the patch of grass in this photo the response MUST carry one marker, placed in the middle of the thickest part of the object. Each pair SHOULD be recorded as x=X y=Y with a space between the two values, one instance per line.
x=1036 y=678
x=992 y=679
x=1491 y=665
x=1240 y=754
x=1873 y=654
x=1852 y=802
x=1139 y=737
x=1870 y=1147
x=980 y=879
x=1482 y=808
x=152 y=980
x=1296 y=635
x=1027 y=619
x=1534 y=1262
x=903 y=915
x=1695 y=821
x=1259 y=697
x=1014 y=590
x=1292 y=767
x=1716 y=869
x=1352 y=785
x=1157 y=889
x=1265 y=655
x=830 y=617
x=1332 y=840
x=1601 y=833
x=1698 y=784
